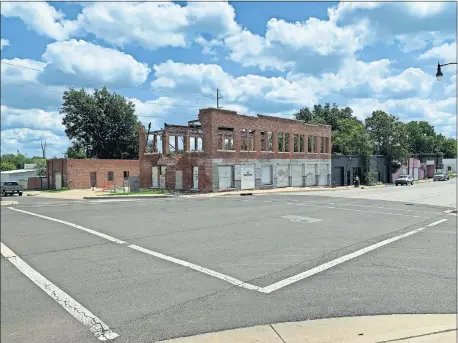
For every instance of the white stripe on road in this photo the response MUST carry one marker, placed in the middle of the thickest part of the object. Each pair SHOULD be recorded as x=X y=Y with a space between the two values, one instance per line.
x=198 y=268
x=112 y=239
x=337 y=261
x=97 y=326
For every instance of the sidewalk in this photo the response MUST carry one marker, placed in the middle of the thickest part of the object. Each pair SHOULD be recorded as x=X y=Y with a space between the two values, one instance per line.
x=403 y=328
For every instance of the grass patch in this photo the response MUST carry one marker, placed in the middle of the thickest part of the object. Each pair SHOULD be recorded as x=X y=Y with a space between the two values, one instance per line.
x=451 y=175
x=142 y=192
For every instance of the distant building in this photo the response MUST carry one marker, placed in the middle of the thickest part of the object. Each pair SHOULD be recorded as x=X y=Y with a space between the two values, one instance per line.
x=449 y=165
x=18 y=174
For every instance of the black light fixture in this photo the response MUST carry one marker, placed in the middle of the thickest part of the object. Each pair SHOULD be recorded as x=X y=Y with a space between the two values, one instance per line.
x=439 y=74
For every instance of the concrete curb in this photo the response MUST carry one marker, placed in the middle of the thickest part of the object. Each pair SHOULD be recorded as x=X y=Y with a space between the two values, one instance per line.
x=152 y=196
x=416 y=328
x=7 y=203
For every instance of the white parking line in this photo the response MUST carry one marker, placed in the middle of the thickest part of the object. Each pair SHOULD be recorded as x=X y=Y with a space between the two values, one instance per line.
x=337 y=261
x=198 y=268
x=79 y=227
x=95 y=324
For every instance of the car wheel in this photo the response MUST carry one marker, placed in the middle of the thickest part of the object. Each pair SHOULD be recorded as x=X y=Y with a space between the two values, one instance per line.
x=411 y=183
x=20 y=194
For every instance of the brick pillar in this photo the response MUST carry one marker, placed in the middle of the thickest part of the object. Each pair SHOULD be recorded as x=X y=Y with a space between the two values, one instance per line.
x=176 y=143
x=186 y=143
x=165 y=143
x=141 y=142
x=291 y=144
x=237 y=139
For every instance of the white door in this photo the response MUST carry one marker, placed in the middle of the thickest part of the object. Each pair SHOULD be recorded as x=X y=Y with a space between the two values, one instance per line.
x=195 y=177
x=58 y=180
x=415 y=173
x=310 y=173
x=296 y=176
x=178 y=179
x=282 y=175
x=225 y=177
x=247 y=180
x=266 y=175
x=162 y=177
x=155 y=174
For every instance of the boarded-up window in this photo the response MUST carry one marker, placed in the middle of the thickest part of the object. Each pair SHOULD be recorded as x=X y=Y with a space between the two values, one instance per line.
x=126 y=175
x=110 y=176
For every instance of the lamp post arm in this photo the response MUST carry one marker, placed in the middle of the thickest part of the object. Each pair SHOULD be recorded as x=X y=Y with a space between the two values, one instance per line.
x=446 y=64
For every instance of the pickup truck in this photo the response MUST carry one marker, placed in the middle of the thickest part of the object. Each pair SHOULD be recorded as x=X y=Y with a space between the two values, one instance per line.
x=11 y=187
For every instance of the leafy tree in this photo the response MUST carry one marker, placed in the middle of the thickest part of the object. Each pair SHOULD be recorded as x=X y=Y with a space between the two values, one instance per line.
x=75 y=151
x=7 y=165
x=41 y=166
x=389 y=135
x=104 y=124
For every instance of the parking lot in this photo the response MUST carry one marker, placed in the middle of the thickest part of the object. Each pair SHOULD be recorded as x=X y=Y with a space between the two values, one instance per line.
x=148 y=270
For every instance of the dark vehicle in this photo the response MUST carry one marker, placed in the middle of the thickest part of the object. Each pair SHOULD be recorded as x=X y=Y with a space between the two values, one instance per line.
x=404 y=180
x=441 y=176
x=11 y=187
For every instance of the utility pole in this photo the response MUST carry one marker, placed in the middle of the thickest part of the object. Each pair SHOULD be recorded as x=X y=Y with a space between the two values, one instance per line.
x=43 y=149
x=217 y=98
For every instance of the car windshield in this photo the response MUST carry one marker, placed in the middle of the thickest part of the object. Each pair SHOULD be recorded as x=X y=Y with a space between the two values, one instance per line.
x=403 y=176
x=11 y=183
x=439 y=174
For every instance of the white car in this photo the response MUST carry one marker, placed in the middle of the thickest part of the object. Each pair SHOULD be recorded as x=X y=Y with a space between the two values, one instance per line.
x=404 y=180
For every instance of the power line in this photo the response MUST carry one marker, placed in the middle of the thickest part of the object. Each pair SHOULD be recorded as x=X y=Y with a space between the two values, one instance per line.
x=121 y=87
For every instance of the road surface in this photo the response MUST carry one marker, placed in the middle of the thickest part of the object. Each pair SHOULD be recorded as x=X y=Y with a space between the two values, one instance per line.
x=148 y=270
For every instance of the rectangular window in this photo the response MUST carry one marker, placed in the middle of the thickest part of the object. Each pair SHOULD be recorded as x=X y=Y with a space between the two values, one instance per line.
x=286 y=142
x=270 y=145
x=110 y=176
x=225 y=139
x=322 y=145
x=301 y=143
x=263 y=141
x=296 y=143
x=250 y=140
x=243 y=140
x=126 y=175
x=280 y=141
x=310 y=144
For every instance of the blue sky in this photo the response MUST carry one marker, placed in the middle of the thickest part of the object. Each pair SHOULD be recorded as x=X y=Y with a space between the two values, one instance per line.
x=272 y=58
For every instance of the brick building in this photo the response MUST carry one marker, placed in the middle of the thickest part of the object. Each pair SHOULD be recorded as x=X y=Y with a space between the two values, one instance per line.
x=223 y=150
x=83 y=174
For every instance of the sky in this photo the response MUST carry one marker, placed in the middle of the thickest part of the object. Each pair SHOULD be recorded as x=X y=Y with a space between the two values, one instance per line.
x=271 y=58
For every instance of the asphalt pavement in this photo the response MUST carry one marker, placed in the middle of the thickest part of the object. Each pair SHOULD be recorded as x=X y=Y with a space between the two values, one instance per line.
x=155 y=269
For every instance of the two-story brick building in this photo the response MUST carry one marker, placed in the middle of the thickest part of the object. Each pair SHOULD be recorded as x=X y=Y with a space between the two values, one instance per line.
x=223 y=150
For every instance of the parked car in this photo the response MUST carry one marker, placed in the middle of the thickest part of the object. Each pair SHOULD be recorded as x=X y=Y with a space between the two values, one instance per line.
x=404 y=180
x=441 y=176
x=11 y=187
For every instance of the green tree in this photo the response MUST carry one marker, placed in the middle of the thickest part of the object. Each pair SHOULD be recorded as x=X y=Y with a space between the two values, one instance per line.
x=75 y=151
x=7 y=165
x=104 y=123
x=388 y=135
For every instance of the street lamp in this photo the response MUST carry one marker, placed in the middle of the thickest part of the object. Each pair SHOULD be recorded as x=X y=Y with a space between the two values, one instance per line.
x=439 y=74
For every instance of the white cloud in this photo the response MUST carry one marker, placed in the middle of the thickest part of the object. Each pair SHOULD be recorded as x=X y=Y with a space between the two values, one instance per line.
x=84 y=63
x=42 y=18
x=153 y=111
x=419 y=41
x=4 y=43
x=37 y=119
x=28 y=141
x=444 y=53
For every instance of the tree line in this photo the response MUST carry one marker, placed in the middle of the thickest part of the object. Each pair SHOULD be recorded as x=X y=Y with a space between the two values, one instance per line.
x=18 y=160
x=381 y=133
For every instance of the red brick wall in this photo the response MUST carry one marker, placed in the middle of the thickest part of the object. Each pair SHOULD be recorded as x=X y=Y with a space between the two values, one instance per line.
x=211 y=119
x=78 y=172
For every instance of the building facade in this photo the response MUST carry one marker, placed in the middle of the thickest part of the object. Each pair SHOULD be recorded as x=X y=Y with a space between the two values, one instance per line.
x=449 y=165
x=346 y=167
x=223 y=150
x=84 y=174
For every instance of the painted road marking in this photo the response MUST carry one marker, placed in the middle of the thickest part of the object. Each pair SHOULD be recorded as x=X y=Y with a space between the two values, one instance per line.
x=204 y=270
x=344 y=209
x=339 y=260
x=268 y=289
x=83 y=315
x=79 y=227
x=302 y=219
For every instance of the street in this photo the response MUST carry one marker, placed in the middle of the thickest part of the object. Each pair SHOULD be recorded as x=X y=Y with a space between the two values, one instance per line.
x=153 y=269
